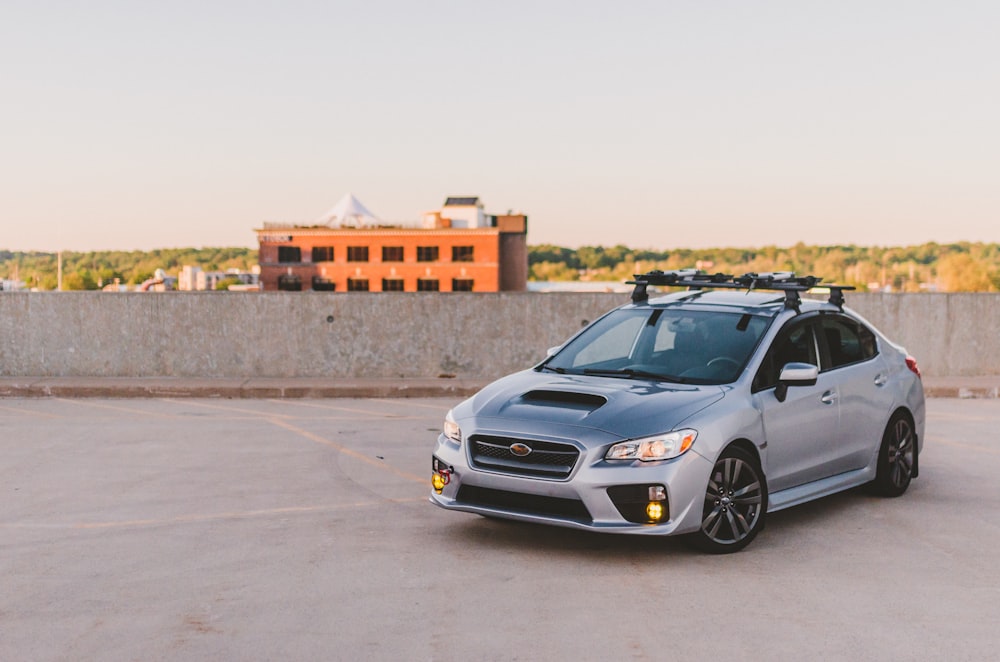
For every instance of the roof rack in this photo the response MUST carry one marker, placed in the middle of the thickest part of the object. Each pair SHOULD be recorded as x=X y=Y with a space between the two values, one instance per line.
x=781 y=281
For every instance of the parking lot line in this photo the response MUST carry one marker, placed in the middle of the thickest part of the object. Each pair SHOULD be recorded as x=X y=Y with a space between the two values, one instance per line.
x=347 y=451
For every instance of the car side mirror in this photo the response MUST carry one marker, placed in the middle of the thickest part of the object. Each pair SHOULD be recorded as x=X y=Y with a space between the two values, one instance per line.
x=795 y=374
x=552 y=350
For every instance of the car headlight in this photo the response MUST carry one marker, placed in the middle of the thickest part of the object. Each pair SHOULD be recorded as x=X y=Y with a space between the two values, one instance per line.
x=451 y=429
x=650 y=449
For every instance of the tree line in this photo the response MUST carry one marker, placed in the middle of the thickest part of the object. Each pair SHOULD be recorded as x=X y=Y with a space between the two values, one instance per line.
x=958 y=267
x=93 y=270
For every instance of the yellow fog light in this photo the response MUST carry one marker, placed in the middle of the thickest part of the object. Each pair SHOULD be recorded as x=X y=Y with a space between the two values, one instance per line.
x=654 y=511
x=439 y=479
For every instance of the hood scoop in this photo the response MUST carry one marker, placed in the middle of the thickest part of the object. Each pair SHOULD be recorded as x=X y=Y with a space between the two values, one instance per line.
x=564 y=399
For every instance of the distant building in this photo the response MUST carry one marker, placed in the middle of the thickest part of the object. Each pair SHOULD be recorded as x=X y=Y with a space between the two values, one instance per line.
x=11 y=285
x=193 y=278
x=459 y=248
x=187 y=279
x=159 y=282
x=458 y=213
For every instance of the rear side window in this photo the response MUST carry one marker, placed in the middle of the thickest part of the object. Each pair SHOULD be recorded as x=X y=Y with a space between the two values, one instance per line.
x=846 y=341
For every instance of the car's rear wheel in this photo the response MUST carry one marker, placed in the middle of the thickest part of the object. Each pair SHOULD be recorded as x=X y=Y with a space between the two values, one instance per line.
x=735 y=503
x=896 y=457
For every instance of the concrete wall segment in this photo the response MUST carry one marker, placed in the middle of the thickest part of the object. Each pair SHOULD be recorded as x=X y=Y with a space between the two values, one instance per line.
x=391 y=335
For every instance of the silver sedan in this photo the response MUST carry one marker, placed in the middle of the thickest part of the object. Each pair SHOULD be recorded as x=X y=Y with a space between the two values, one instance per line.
x=695 y=413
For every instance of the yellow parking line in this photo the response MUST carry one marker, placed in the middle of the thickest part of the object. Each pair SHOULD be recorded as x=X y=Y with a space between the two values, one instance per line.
x=332 y=408
x=347 y=451
x=18 y=410
x=230 y=409
x=208 y=517
x=99 y=405
x=441 y=408
x=352 y=410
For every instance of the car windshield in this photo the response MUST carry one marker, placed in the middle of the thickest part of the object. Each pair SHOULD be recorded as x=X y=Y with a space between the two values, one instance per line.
x=668 y=344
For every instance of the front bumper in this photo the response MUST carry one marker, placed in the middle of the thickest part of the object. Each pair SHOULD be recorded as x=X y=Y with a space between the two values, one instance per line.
x=591 y=498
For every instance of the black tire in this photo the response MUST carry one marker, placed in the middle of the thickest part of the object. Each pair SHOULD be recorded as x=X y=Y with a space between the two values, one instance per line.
x=735 y=504
x=896 y=457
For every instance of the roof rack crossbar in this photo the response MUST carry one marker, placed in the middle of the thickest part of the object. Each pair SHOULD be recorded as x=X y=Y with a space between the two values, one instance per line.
x=780 y=281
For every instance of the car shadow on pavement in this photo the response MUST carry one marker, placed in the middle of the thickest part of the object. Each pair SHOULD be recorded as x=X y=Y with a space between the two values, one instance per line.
x=792 y=524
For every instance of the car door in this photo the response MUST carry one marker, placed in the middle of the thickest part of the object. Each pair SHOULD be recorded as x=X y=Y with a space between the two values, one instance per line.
x=801 y=429
x=853 y=365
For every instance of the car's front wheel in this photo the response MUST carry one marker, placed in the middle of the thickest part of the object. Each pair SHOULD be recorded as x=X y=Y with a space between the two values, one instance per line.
x=896 y=457
x=735 y=503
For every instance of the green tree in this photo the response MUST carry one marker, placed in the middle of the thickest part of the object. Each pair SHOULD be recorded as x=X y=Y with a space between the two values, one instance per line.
x=960 y=272
x=224 y=283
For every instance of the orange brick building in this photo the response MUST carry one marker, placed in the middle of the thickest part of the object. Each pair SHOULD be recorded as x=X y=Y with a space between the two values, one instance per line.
x=379 y=258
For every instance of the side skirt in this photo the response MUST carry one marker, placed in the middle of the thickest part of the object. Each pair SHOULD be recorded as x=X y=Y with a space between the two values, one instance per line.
x=793 y=496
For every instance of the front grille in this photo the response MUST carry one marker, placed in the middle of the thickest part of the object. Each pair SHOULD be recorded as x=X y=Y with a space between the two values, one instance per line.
x=526 y=504
x=547 y=459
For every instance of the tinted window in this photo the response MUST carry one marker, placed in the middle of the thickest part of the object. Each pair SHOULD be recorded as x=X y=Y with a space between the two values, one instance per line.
x=610 y=339
x=846 y=341
x=689 y=346
x=794 y=344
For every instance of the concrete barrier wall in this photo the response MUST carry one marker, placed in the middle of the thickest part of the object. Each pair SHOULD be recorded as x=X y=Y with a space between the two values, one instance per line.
x=386 y=335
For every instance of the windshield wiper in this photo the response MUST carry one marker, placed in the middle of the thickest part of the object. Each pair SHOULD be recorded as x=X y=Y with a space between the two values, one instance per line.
x=631 y=373
x=561 y=371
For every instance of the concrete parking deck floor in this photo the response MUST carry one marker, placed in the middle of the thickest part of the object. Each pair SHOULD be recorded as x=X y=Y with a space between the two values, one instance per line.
x=301 y=387
x=299 y=529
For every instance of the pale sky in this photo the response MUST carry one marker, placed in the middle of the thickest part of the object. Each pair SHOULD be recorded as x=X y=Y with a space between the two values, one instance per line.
x=672 y=123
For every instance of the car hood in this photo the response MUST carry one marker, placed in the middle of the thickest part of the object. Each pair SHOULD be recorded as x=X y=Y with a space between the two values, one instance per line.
x=625 y=408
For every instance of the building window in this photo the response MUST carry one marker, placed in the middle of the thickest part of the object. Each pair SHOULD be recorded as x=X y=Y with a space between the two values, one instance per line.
x=357 y=284
x=323 y=284
x=289 y=283
x=357 y=253
x=427 y=253
x=392 y=284
x=461 y=254
x=323 y=254
x=392 y=253
x=461 y=284
x=289 y=254
x=428 y=285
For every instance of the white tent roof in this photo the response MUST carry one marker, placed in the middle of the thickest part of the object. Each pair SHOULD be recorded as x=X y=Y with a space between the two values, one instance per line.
x=349 y=212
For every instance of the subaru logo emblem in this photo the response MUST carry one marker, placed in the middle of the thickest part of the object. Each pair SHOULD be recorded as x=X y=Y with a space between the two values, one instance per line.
x=520 y=449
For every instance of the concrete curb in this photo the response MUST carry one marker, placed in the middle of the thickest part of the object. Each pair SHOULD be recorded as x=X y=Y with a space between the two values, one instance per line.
x=250 y=388
x=117 y=387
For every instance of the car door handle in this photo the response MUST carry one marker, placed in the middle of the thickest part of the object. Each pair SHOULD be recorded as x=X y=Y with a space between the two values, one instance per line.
x=881 y=379
x=828 y=398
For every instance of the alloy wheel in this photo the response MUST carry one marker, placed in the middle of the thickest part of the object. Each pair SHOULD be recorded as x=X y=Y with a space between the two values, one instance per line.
x=900 y=453
x=733 y=501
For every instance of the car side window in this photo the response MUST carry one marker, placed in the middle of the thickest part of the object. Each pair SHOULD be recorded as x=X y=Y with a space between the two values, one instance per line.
x=794 y=344
x=846 y=341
